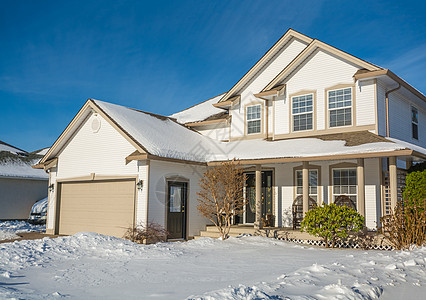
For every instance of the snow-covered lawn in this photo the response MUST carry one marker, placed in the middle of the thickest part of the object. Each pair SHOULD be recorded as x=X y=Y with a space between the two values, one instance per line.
x=9 y=229
x=88 y=265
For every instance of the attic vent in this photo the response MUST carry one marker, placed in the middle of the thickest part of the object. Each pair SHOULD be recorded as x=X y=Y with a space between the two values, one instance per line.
x=96 y=124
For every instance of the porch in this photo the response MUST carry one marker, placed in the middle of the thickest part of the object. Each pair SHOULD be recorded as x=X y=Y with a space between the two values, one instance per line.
x=367 y=240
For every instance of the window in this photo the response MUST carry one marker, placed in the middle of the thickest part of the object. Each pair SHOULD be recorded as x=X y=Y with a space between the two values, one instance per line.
x=313 y=183
x=415 y=123
x=345 y=183
x=253 y=119
x=302 y=110
x=340 y=107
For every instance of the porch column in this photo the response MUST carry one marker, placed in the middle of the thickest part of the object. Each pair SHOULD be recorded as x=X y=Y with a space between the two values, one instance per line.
x=361 y=186
x=393 y=182
x=305 y=180
x=258 y=222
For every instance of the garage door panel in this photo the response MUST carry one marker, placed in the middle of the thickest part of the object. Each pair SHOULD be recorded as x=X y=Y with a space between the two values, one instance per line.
x=106 y=207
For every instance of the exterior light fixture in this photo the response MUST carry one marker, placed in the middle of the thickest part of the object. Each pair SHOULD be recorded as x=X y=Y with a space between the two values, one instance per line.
x=51 y=187
x=139 y=185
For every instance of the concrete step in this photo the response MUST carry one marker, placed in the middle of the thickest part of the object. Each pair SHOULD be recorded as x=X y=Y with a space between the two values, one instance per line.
x=235 y=229
x=213 y=234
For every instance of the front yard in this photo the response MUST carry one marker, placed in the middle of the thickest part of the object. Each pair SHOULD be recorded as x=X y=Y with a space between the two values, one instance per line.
x=88 y=265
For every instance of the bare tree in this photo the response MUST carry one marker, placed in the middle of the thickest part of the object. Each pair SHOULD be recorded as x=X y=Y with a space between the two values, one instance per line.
x=221 y=196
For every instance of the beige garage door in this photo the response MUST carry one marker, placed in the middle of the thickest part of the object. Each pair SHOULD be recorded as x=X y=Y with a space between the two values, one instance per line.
x=105 y=207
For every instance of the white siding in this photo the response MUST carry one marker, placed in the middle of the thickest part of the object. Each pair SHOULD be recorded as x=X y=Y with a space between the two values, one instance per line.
x=365 y=106
x=260 y=80
x=142 y=194
x=320 y=71
x=372 y=192
x=102 y=153
x=218 y=132
x=400 y=119
x=282 y=123
x=159 y=172
x=381 y=109
x=51 y=203
x=274 y=66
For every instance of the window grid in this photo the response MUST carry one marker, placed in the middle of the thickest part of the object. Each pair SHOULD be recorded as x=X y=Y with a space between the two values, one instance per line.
x=415 y=123
x=302 y=110
x=345 y=183
x=313 y=183
x=340 y=107
x=253 y=119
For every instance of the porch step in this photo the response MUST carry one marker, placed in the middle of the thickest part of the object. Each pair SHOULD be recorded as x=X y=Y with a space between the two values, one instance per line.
x=234 y=229
x=215 y=235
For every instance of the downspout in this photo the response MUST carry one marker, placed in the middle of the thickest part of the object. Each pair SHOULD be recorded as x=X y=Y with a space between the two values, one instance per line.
x=387 y=107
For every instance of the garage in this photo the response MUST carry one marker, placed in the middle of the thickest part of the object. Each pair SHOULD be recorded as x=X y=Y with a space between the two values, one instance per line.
x=104 y=206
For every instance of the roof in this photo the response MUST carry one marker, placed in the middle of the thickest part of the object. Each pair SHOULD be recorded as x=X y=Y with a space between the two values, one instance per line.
x=17 y=166
x=290 y=33
x=9 y=148
x=198 y=112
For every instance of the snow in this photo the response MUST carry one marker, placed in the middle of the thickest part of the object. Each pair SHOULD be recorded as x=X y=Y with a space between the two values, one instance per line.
x=40 y=206
x=43 y=151
x=198 y=112
x=166 y=138
x=88 y=265
x=9 y=229
x=162 y=137
x=9 y=148
x=20 y=169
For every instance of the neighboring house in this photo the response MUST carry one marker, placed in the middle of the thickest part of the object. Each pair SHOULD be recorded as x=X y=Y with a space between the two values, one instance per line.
x=20 y=185
x=310 y=124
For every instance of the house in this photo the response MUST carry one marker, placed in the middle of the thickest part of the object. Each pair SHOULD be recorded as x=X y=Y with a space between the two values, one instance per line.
x=310 y=124
x=20 y=185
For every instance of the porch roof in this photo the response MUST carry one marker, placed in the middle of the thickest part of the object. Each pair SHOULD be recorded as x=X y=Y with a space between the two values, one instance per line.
x=349 y=145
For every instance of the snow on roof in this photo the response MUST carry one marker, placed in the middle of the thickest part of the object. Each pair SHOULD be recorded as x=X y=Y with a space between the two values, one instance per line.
x=198 y=112
x=41 y=151
x=301 y=147
x=163 y=137
x=9 y=148
x=21 y=169
x=159 y=135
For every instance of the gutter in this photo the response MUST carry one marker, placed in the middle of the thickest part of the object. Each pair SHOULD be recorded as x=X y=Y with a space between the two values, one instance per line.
x=387 y=107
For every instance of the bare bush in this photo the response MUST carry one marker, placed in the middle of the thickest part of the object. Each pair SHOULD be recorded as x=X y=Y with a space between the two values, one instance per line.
x=146 y=233
x=221 y=196
x=406 y=225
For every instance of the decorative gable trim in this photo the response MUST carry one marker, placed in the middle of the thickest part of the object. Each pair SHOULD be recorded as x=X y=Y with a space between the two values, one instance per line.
x=82 y=114
x=266 y=57
x=314 y=45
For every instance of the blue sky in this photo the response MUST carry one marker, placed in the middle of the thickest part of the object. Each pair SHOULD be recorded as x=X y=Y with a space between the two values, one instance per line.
x=163 y=56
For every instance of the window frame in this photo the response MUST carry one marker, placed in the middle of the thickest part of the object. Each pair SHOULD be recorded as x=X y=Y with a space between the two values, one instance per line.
x=414 y=123
x=329 y=110
x=312 y=112
x=247 y=121
x=334 y=195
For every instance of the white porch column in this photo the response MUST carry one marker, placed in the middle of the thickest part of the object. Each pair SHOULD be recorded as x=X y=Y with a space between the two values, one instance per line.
x=305 y=179
x=393 y=182
x=361 y=186
x=258 y=222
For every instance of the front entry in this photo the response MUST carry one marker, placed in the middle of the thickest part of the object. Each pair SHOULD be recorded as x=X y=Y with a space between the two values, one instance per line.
x=250 y=210
x=176 y=209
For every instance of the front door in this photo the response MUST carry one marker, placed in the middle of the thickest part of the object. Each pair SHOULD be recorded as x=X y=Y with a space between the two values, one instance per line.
x=250 y=195
x=176 y=209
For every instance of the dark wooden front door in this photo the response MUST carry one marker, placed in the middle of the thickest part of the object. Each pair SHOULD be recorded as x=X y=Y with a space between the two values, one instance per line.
x=176 y=209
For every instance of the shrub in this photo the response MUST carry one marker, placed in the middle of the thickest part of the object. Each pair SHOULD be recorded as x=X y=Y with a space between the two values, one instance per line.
x=406 y=225
x=221 y=195
x=415 y=188
x=146 y=233
x=332 y=222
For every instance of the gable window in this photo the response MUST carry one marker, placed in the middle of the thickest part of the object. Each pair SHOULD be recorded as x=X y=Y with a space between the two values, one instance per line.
x=254 y=119
x=340 y=107
x=345 y=184
x=302 y=110
x=415 y=123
